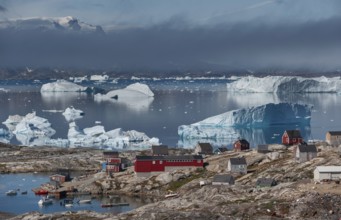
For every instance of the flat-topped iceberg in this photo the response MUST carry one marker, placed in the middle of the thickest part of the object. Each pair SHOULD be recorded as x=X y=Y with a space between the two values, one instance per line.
x=225 y=125
x=72 y=114
x=62 y=86
x=136 y=90
x=285 y=84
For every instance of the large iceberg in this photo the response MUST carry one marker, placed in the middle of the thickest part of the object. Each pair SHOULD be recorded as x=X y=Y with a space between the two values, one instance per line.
x=136 y=96
x=226 y=125
x=285 y=84
x=136 y=90
x=62 y=86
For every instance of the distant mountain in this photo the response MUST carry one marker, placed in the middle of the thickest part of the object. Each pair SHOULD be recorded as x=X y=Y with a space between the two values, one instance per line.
x=67 y=23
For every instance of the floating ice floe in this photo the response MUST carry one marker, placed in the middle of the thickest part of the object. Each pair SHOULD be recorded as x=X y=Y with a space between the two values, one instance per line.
x=99 y=77
x=12 y=121
x=285 y=84
x=62 y=86
x=72 y=114
x=226 y=125
x=136 y=96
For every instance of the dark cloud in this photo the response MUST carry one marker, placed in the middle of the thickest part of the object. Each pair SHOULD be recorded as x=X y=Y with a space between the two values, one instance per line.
x=2 y=8
x=176 y=46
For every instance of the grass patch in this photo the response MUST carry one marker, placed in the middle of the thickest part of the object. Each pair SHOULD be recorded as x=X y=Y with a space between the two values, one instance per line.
x=173 y=186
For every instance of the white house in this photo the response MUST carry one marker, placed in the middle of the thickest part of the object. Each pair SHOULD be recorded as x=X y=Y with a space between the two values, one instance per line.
x=327 y=173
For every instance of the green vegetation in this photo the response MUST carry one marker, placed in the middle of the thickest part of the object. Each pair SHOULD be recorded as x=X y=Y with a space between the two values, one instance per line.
x=173 y=186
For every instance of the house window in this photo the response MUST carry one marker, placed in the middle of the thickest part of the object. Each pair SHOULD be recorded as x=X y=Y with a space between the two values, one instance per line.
x=160 y=161
x=153 y=162
x=199 y=161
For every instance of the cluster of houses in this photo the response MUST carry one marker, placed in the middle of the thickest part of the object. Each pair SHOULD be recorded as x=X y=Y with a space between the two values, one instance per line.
x=158 y=159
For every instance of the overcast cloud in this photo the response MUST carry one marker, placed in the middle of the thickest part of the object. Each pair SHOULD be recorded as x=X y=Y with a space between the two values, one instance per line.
x=177 y=35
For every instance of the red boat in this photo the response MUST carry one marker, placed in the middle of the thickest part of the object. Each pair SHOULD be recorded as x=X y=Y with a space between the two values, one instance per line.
x=40 y=191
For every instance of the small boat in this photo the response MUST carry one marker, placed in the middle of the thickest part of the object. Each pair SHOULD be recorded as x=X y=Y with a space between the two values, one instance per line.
x=40 y=191
x=68 y=205
x=171 y=195
x=84 y=201
x=23 y=192
x=11 y=193
x=45 y=201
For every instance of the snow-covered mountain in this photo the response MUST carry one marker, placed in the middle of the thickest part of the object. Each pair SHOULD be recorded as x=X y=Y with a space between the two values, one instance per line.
x=285 y=84
x=67 y=23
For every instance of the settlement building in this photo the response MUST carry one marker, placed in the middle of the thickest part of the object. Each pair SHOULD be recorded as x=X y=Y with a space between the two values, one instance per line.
x=204 y=149
x=223 y=179
x=305 y=153
x=241 y=145
x=322 y=173
x=159 y=150
x=333 y=138
x=291 y=137
x=237 y=165
x=113 y=163
x=146 y=166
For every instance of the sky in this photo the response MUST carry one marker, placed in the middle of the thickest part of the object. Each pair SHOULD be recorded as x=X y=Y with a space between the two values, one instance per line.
x=183 y=34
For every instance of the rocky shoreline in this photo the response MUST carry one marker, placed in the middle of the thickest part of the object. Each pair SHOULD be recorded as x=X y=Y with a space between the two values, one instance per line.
x=295 y=197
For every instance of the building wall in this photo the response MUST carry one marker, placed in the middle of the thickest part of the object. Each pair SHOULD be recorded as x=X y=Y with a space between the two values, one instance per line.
x=333 y=140
x=305 y=156
x=236 y=168
x=172 y=168
x=328 y=176
x=221 y=184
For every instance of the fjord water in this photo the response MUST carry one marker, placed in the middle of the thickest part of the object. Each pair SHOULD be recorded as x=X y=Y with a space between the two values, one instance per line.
x=22 y=203
x=176 y=102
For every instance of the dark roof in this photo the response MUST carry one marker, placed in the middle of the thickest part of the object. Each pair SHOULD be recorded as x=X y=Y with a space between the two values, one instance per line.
x=238 y=161
x=242 y=141
x=110 y=152
x=160 y=149
x=266 y=182
x=294 y=133
x=172 y=157
x=334 y=132
x=206 y=147
x=221 y=149
x=307 y=148
x=223 y=178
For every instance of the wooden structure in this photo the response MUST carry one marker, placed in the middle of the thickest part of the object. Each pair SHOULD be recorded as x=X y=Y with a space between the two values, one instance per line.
x=291 y=137
x=223 y=179
x=305 y=153
x=241 y=145
x=146 y=166
x=237 y=165
x=323 y=173
x=159 y=150
x=204 y=149
x=220 y=150
x=333 y=138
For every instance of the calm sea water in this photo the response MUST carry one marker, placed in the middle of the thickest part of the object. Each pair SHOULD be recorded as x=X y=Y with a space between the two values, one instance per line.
x=176 y=102
x=20 y=203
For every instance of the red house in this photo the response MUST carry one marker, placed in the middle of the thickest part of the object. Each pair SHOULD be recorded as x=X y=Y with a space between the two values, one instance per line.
x=241 y=145
x=113 y=163
x=291 y=137
x=146 y=166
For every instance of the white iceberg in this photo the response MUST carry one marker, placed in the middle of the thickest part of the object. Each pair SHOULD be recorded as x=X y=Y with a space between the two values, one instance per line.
x=136 y=90
x=12 y=121
x=225 y=125
x=33 y=125
x=62 y=86
x=136 y=96
x=96 y=136
x=72 y=114
x=285 y=84
x=99 y=77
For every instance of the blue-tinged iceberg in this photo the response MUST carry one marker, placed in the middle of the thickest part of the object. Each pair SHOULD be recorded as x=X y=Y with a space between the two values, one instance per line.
x=226 y=125
x=285 y=84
